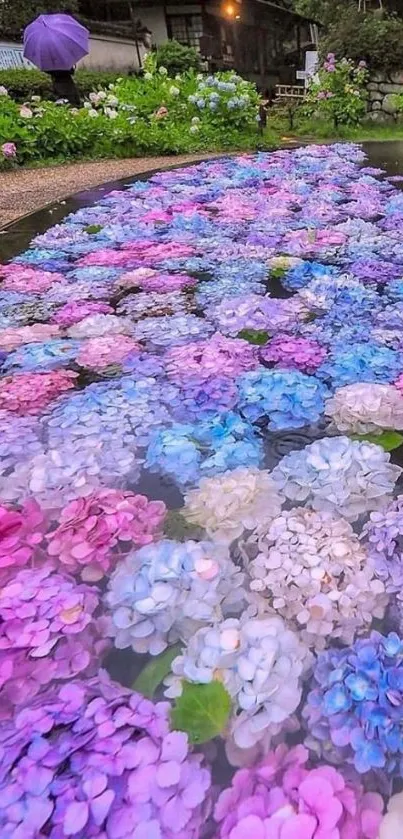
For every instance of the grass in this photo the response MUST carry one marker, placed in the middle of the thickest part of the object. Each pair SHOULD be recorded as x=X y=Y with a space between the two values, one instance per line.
x=278 y=131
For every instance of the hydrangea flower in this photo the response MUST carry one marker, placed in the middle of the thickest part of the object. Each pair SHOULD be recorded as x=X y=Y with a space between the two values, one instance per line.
x=199 y=399
x=21 y=532
x=153 y=281
x=160 y=332
x=365 y=408
x=287 y=399
x=217 y=356
x=13 y=337
x=353 y=713
x=98 y=325
x=393 y=818
x=338 y=475
x=20 y=439
x=126 y=776
x=164 y=592
x=260 y=662
x=227 y=504
x=76 y=311
x=149 y=303
x=361 y=362
x=99 y=353
x=38 y=357
x=28 y=280
x=310 y=568
x=90 y=528
x=30 y=393
x=46 y=616
x=295 y=353
x=282 y=796
x=234 y=314
x=382 y=537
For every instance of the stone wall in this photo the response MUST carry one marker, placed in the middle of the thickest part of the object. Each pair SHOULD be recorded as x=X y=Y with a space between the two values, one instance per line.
x=382 y=91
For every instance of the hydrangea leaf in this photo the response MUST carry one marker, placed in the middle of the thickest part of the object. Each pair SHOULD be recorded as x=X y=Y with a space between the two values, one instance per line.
x=155 y=671
x=254 y=336
x=202 y=711
x=93 y=228
x=178 y=528
x=389 y=440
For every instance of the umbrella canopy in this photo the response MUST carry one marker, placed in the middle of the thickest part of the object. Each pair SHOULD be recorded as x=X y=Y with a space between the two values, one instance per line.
x=55 y=42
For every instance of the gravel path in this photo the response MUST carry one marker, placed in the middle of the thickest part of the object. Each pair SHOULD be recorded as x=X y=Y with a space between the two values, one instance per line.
x=26 y=190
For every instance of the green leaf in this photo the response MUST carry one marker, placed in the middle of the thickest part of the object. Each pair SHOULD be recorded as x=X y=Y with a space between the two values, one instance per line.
x=389 y=440
x=93 y=228
x=254 y=336
x=155 y=671
x=202 y=711
x=178 y=528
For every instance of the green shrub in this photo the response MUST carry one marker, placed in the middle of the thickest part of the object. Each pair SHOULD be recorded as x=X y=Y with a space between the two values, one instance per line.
x=340 y=92
x=176 y=58
x=375 y=37
x=22 y=84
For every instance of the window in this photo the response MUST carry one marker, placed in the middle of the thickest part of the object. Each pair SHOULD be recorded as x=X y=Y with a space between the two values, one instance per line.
x=187 y=29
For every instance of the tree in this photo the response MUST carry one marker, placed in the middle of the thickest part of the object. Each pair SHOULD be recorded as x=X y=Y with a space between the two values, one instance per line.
x=16 y=14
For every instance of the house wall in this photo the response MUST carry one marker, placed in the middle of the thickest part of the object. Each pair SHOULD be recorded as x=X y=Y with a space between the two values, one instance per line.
x=109 y=53
x=154 y=19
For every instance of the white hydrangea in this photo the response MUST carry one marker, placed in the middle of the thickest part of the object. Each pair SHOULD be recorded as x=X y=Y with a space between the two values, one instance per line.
x=313 y=571
x=97 y=325
x=232 y=502
x=164 y=592
x=337 y=474
x=364 y=408
x=261 y=663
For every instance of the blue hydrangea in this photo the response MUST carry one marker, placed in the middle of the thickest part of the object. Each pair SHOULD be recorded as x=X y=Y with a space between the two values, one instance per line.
x=361 y=362
x=354 y=714
x=49 y=355
x=288 y=399
x=304 y=273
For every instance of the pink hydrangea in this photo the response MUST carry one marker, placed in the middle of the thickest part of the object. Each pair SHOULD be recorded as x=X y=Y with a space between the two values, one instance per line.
x=98 y=353
x=28 y=280
x=75 y=311
x=9 y=150
x=280 y=798
x=20 y=534
x=151 y=252
x=294 y=353
x=89 y=529
x=30 y=393
x=217 y=356
x=150 y=280
x=399 y=383
x=15 y=336
x=49 y=629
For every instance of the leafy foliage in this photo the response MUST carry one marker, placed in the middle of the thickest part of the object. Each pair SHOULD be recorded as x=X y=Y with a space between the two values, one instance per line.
x=155 y=671
x=376 y=38
x=177 y=58
x=340 y=93
x=202 y=711
x=22 y=84
x=389 y=440
x=16 y=14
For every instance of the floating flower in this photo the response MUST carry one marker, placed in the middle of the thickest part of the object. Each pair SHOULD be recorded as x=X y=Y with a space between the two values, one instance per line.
x=13 y=337
x=390 y=824
x=47 y=617
x=365 y=408
x=295 y=353
x=21 y=532
x=73 y=783
x=150 y=280
x=353 y=714
x=164 y=592
x=98 y=325
x=286 y=399
x=361 y=362
x=310 y=568
x=28 y=280
x=150 y=303
x=90 y=528
x=217 y=356
x=232 y=502
x=338 y=475
x=74 y=312
x=281 y=795
x=49 y=355
x=99 y=353
x=260 y=662
x=30 y=393
x=382 y=537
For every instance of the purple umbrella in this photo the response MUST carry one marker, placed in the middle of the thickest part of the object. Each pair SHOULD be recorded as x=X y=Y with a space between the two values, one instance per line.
x=55 y=42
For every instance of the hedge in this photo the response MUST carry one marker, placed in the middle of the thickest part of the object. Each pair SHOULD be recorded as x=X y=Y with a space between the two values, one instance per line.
x=22 y=84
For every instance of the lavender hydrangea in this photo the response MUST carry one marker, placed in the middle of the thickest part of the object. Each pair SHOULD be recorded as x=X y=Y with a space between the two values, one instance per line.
x=93 y=759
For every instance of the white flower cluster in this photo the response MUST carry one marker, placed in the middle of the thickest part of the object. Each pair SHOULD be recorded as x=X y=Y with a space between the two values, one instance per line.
x=391 y=824
x=363 y=407
x=313 y=571
x=97 y=325
x=261 y=664
x=339 y=475
x=166 y=591
x=232 y=502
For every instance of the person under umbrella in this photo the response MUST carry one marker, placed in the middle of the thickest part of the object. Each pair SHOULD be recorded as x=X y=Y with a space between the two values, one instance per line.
x=54 y=43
